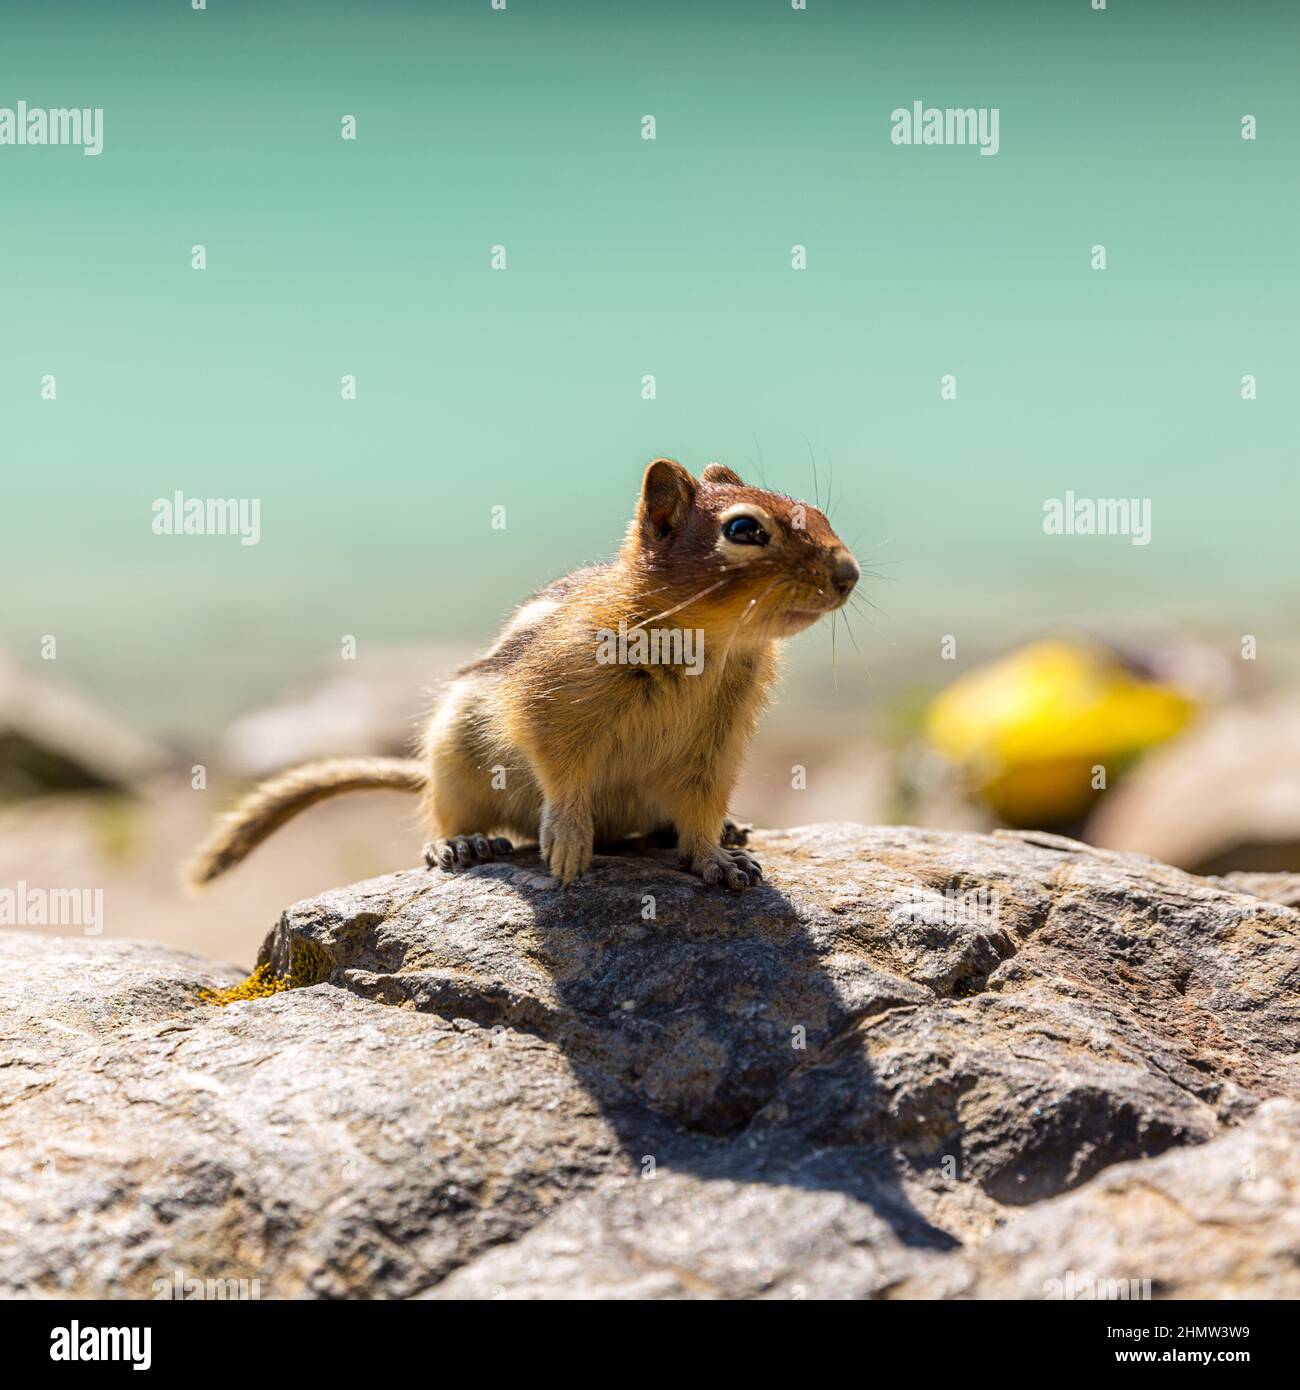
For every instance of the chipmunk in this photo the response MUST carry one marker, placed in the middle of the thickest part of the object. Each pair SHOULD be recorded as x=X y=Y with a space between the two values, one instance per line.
x=540 y=739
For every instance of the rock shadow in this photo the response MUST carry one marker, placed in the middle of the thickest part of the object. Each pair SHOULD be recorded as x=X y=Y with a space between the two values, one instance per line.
x=687 y=1011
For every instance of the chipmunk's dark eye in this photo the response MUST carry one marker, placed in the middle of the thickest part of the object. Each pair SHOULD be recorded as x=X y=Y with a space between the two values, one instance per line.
x=744 y=530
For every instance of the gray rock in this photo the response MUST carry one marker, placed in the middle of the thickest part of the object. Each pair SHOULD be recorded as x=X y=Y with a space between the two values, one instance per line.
x=52 y=739
x=856 y=1080
x=1275 y=887
x=681 y=1236
x=309 y=1141
x=62 y=996
x=1219 y=1221
x=1223 y=796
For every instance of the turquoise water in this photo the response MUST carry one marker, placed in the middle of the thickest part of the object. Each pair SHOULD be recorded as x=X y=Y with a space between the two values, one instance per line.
x=522 y=388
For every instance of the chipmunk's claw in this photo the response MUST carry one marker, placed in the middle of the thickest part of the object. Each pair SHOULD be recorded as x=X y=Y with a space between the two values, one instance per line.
x=464 y=851
x=566 y=844
x=730 y=867
x=567 y=854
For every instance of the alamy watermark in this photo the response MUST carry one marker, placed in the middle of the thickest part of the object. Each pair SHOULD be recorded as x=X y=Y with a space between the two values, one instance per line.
x=651 y=646
x=179 y=515
x=77 y=1343
x=188 y=1288
x=947 y=907
x=1078 y=1287
x=1098 y=516
x=948 y=125
x=53 y=907
x=37 y=125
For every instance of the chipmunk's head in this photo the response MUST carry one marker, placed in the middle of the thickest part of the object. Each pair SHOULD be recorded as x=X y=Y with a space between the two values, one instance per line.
x=757 y=562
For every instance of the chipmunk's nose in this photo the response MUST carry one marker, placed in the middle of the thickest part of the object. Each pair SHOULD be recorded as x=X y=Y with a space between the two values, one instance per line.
x=845 y=573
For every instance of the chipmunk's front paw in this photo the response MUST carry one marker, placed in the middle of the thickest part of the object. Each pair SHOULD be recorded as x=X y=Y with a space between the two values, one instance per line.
x=566 y=845
x=732 y=867
x=464 y=851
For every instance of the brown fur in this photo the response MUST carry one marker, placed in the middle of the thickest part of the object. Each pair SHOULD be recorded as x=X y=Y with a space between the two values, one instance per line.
x=537 y=740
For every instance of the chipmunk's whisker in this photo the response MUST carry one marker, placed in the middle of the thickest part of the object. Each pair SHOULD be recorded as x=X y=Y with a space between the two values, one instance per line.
x=862 y=598
x=816 y=484
x=849 y=629
x=747 y=613
x=677 y=607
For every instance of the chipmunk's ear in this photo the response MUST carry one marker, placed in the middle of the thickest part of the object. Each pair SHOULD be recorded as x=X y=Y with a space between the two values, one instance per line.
x=667 y=492
x=720 y=473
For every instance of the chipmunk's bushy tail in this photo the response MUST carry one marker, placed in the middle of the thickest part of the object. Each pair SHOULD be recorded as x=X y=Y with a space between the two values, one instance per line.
x=270 y=804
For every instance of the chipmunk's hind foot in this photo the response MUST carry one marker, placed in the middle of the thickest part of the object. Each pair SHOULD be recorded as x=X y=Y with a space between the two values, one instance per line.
x=464 y=851
x=735 y=834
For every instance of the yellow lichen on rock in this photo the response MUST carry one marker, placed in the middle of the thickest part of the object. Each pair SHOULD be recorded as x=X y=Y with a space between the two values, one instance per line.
x=309 y=964
x=260 y=984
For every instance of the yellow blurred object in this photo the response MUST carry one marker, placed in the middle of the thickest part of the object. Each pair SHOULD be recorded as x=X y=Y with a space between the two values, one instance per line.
x=1027 y=731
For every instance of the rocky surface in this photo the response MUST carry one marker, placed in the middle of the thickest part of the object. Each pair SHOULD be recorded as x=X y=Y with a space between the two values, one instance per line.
x=912 y=1064
x=1218 y=1221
